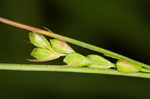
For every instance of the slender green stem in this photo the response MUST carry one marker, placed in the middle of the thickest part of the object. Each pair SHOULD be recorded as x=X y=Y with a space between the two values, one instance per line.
x=54 y=68
x=73 y=41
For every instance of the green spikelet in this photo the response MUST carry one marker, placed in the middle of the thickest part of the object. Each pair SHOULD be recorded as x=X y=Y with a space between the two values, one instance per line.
x=99 y=62
x=76 y=59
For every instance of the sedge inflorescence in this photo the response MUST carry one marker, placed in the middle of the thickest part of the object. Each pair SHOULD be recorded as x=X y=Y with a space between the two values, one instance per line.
x=48 y=50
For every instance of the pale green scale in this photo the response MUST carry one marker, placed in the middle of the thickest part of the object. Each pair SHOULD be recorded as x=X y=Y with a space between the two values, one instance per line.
x=76 y=59
x=99 y=62
x=42 y=53
x=39 y=40
x=127 y=67
x=61 y=46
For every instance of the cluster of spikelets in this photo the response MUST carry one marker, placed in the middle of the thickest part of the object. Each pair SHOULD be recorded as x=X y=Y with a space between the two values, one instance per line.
x=50 y=50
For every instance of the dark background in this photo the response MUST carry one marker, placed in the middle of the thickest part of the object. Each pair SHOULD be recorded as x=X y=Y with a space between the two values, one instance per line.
x=118 y=25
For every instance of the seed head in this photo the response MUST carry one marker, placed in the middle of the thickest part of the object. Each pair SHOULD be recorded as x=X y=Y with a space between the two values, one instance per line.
x=99 y=62
x=39 y=40
x=61 y=46
x=127 y=67
x=76 y=59
x=44 y=54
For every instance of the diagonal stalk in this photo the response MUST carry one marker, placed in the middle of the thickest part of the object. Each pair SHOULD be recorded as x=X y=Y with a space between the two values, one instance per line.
x=73 y=41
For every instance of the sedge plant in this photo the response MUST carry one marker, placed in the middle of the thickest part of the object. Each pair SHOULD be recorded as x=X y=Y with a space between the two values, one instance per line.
x=52 y=49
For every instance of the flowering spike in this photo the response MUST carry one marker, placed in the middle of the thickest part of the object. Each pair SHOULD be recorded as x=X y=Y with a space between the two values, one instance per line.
x=42 y=54
x=127 y=67
x=76 y=59
x=39 y=40
x=61 y=46
x=99 y=62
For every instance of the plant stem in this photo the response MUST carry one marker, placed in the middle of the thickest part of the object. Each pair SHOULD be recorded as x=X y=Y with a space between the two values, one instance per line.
x=54 y=68
x=73 y=41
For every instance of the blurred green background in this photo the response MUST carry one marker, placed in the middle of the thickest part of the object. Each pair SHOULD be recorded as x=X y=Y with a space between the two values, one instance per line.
x=118 y=25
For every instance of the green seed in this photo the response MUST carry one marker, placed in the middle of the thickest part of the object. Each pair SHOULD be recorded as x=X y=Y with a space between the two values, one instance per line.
x=61 y=46
x=127 y=67
x=39 y=40
x=76 y=59
x=99 y=62
x=44 y=54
